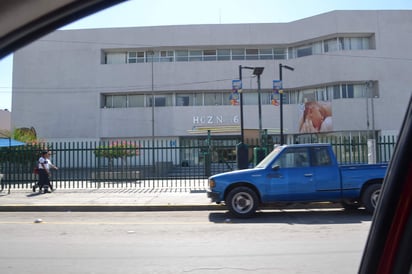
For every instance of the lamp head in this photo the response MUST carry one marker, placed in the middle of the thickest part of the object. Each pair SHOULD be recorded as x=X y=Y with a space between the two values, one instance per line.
x=258 y=71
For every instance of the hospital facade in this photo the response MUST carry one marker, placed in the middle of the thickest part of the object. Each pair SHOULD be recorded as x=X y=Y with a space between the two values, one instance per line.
x=351 y=76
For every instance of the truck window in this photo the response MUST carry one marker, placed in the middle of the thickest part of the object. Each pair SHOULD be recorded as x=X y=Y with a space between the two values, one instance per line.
x=321 y=156
x=293 y=157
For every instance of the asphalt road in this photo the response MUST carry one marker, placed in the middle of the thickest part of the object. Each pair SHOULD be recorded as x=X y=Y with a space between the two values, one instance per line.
x=294 y=241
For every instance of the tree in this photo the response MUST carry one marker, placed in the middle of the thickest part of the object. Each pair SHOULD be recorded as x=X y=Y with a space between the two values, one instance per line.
x=117 y=150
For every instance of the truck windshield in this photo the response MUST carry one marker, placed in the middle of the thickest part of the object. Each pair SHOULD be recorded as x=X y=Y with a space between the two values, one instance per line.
x=268 y=159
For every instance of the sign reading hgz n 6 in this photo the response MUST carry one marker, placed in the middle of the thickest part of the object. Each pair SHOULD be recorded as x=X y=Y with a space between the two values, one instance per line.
x=214 y=120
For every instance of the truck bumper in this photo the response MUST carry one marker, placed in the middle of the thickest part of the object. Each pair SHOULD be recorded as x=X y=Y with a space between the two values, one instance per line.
x=214 y=197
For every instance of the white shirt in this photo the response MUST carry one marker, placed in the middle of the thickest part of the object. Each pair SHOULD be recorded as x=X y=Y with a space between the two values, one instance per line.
x=46 y=163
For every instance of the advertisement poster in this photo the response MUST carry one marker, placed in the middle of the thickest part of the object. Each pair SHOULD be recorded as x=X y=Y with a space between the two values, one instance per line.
x=315 y=116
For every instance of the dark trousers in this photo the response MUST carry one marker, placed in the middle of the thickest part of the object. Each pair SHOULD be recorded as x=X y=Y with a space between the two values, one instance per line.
x=44 y=179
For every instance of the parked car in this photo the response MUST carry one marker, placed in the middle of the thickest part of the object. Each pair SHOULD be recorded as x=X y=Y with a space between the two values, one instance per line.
x=298 y=174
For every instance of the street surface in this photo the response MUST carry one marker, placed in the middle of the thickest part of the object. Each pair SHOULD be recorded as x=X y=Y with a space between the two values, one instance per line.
x=293 y=241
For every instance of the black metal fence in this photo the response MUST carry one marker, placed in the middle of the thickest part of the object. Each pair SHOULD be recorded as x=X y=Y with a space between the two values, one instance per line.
x=358 y=149
x=167 y=164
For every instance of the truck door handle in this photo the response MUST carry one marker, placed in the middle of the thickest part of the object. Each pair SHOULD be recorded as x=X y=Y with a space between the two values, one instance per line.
x=308 y=175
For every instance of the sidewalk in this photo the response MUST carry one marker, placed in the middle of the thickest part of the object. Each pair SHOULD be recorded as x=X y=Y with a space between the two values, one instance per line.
x=106 y=200
x=117 y=199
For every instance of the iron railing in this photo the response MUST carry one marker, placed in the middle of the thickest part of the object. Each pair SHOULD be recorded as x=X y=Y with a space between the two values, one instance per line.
x=166 y=164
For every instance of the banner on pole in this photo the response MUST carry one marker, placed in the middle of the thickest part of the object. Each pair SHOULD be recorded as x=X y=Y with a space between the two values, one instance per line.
x=277 y=90
x=277 y=86
x=234 y=96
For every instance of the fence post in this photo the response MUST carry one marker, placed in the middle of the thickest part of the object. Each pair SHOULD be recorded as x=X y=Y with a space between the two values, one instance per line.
x=208 y=164
x=371 y=151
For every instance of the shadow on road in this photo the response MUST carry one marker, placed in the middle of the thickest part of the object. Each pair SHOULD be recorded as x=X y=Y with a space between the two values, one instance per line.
x=307 y=216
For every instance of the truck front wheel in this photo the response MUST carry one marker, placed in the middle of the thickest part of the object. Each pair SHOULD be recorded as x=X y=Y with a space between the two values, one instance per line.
x=242 y=202
x=370 y=197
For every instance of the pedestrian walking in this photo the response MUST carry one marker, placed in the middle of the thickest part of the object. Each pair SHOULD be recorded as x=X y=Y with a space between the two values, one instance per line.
x=44 y=166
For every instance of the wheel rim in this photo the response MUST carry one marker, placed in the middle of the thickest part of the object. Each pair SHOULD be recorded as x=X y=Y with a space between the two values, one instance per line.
x=242 y=202
x=375 y=197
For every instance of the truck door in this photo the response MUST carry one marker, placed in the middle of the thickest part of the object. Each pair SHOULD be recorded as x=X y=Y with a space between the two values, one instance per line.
x=326 y=174
x=292 y=177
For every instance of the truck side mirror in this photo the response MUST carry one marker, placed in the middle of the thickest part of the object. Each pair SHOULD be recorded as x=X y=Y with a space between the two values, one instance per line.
x=275 y=167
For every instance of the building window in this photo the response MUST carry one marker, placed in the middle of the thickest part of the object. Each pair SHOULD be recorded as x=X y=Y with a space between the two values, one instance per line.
x=336 y=92
x=189 y=99
x=135 y=100
x=119 y=101
x=223 y=54
x=184 y=100
x=238 y=54
x=359 y=91
x=308 y=95
x=136 y=57
x=354 y=43
x=330 y=45
x=252 y=54
x=195 y=55
x=265 y=54
x=323 y=94
x=182 y=55
x=304 y=51
x=347 y=91
x=213 y=99
x=108 y=101
x=279 y=53
x=291 y=97
x=160 y=100
x=152 y=56
x=166 y=56
x=198 y=99
x=209 y=55
x=115 y=58
x=250 y=97
x=318 y=47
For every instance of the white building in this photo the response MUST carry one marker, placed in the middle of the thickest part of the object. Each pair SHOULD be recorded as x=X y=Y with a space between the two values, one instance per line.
x=99 y=84
x=5 y=120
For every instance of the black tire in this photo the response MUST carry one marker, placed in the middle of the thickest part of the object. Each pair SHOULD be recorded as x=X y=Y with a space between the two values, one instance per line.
x=242 y=202
x=370 y=197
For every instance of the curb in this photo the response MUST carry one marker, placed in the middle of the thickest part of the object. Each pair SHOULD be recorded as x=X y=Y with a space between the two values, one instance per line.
x=141 y=208
x=107 y=208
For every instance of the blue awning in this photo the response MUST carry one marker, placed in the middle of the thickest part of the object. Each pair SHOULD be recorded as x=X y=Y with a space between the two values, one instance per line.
x=10 y=142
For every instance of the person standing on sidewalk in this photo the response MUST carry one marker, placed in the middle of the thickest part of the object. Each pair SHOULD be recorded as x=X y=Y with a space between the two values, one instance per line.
x=44 y=166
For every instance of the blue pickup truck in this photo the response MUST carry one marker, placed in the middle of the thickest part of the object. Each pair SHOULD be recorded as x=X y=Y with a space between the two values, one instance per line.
x=303 y=173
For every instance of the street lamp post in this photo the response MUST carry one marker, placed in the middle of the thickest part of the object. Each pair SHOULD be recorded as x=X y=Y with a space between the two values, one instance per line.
x=242 y=151
x=241 y=148
x=258 y=71
x=242 y=136
x=281 y=100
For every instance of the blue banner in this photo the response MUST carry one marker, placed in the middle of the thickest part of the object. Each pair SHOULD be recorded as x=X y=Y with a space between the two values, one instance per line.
x=277 y=86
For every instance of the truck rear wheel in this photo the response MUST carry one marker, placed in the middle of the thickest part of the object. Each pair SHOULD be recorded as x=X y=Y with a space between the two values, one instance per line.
x=242 y=202
x=370 y=197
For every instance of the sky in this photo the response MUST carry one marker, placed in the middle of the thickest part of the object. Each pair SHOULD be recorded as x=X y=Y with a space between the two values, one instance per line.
x=136 y=13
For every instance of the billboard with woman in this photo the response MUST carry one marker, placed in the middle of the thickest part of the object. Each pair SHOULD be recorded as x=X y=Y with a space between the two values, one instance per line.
x=316 y=116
